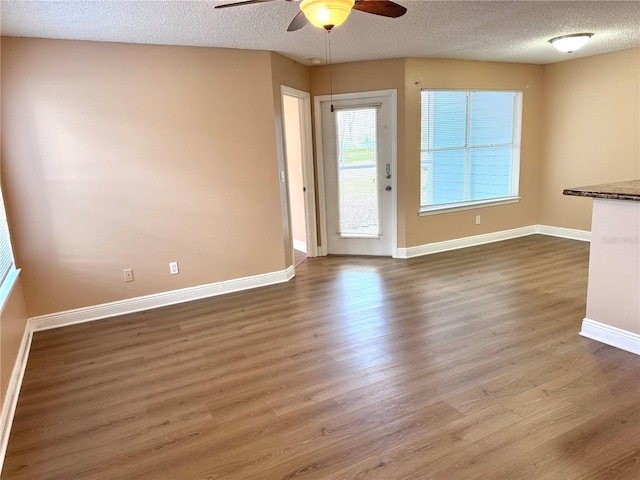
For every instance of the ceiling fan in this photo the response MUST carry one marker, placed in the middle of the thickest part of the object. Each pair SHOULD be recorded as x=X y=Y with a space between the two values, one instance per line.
x=331 y=13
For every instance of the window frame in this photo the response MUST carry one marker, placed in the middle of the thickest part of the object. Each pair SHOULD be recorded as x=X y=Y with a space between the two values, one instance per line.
x=10 y=278
x=515 y=144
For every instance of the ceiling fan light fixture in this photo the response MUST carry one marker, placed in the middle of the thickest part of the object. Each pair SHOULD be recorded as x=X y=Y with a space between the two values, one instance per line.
x=570 y=43
x=326 y=13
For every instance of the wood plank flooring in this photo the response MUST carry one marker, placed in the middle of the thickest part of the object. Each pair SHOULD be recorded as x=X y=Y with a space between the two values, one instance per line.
x=299 y=257
x=462 y=365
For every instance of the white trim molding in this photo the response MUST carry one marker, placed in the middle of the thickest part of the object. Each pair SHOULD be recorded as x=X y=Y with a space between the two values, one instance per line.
x=570 y=233
x=475 y=240
x=465 y=242
x=148 y=302
x=616 y=337
x=13 y=391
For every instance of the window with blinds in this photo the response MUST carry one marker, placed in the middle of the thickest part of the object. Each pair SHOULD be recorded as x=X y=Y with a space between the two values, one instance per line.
x=8 y=272
x=357 y=153
x=470 y=147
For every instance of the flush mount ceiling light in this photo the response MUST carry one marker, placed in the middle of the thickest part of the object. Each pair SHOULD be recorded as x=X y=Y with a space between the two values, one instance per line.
x=326 y=13
x=570 y=43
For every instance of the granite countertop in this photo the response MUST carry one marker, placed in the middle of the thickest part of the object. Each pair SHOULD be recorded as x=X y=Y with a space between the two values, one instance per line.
x=629 y=190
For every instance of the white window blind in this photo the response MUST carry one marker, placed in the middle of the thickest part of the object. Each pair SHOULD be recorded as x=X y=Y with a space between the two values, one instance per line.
x=357 y=152
x=470 y=147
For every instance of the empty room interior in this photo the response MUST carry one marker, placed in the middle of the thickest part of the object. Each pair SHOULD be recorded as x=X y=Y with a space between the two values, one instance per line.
x=323 y=239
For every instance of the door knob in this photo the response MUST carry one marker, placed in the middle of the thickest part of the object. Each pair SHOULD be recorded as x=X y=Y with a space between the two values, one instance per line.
x=388 y=188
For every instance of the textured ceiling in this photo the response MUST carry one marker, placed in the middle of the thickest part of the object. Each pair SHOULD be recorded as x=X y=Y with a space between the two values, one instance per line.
x=503 y=31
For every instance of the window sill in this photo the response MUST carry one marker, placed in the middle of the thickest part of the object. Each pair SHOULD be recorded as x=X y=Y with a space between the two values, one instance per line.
x=458 y=207
x=7 y=287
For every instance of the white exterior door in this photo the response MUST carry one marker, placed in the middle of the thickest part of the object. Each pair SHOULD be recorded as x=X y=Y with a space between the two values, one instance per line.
x=358 y=162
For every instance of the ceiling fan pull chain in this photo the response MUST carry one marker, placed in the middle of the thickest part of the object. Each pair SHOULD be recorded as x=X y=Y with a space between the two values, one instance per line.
x=330 y=70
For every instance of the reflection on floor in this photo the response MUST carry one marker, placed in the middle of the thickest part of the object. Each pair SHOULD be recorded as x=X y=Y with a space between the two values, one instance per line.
x=298 y=257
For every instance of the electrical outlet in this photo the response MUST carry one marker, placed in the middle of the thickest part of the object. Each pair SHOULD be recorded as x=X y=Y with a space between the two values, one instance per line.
x=477 y=219
x=173 y=268
x=128 y=275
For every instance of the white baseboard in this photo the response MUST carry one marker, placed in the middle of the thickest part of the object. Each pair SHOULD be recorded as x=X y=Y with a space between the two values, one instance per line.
x=616 y=337
x=13 y=391
x=465 y=242
x=300 y=246
x=148 y=302
x=570 y=233
x=475 y=240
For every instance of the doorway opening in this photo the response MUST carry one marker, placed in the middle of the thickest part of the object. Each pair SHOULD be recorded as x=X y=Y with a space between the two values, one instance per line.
x=296 y=118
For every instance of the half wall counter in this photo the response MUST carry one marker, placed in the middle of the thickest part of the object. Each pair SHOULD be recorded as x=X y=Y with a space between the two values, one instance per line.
x=613 y=293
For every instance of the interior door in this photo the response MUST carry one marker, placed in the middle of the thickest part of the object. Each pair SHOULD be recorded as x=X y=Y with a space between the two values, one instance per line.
x=358 y=164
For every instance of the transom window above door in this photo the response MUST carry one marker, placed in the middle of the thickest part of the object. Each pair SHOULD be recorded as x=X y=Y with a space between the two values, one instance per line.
x=470 y=148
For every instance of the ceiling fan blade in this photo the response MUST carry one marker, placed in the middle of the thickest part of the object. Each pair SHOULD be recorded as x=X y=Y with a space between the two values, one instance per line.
x=246 y=2
x=298 y=22
x=385 y=8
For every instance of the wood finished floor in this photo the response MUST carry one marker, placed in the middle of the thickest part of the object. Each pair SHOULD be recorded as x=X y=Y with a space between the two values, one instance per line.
x=462 y=365
x=299 y=257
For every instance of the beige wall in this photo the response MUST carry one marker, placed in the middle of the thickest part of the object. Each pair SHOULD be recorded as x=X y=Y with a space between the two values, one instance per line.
x=409 y=76
x=13 y=320
x=285 y=72
x=591 y=131
x=131 y=156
